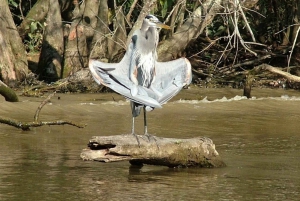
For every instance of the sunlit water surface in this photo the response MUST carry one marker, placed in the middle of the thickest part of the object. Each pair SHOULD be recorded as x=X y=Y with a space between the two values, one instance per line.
x=259 y=140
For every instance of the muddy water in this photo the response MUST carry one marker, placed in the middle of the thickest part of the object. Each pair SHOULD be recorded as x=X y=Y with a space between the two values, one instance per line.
x=259 y=140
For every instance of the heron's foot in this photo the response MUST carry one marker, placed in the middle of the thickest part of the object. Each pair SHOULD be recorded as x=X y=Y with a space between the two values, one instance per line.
x=149 y=136
x=137 y=139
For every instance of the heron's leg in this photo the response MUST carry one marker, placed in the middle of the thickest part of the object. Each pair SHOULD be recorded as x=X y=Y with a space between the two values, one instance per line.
x=135 y=113
x=145 y=122
x=132 y=128
x=133 y=133
x=146 y=129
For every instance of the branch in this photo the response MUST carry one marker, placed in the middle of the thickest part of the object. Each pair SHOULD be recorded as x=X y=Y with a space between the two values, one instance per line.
x=25 y=126
x=275 y=70
x=37 y=113
x=130 y=12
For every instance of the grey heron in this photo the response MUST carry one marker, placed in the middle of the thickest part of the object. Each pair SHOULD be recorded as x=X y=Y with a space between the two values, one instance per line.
x=139 y=77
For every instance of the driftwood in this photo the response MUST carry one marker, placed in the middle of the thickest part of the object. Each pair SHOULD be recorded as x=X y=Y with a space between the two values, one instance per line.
x=277 y=71
x=171 y=152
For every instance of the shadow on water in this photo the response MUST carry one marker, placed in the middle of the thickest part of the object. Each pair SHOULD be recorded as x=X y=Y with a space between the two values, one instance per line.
x=258 y=139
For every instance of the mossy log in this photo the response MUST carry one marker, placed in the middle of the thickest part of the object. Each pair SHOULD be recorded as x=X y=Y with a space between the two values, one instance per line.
x=8 y=93
x=171 y=152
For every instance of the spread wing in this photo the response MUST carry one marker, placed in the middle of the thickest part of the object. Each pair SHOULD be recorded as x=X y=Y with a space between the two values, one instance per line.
x=116 y=77
x=170 y=77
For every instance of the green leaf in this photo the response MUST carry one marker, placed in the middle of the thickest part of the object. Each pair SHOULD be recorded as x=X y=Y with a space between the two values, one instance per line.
x=33 y=27
x=13 y=3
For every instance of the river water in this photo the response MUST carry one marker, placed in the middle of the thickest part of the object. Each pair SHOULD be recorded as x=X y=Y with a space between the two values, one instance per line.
x=258 y=139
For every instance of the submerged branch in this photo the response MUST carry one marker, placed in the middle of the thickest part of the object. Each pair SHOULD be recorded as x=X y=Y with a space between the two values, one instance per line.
x=37 y=113
x=25 y=126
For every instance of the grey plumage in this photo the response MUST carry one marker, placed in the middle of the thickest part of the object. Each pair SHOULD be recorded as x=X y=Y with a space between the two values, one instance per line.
x=139 y=76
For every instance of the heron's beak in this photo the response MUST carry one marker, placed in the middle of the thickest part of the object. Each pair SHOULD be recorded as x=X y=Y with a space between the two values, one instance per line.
x=162 y=25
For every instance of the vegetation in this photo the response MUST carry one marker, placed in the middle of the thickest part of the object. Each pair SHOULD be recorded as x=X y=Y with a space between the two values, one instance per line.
x=224 y=40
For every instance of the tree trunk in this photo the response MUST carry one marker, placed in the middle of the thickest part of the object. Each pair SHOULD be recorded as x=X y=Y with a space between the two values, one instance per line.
x=50 y=62
x=189 y=31
x=13 y=62
x=171 y=152
x=117 y=43
x=76 y=53
x=99 y=41
x=193 y=27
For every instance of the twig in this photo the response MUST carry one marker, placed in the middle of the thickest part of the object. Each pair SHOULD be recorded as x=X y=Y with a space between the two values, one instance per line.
x=295 y=39
x=174 y=8
x=130 y=12
x=212 y=42
x=246 y=21
x=37 y=113
x=297 y=24
x=237 y=31
x=247 y=63
x=20 y=8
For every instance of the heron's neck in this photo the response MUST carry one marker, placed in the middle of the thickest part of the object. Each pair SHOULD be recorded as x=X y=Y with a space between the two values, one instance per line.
x=144 y=27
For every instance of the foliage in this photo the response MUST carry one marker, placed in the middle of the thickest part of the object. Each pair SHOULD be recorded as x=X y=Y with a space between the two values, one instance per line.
x=13 y=3
x=34 y=39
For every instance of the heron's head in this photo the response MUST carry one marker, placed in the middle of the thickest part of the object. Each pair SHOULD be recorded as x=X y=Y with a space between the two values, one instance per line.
x=152 y=21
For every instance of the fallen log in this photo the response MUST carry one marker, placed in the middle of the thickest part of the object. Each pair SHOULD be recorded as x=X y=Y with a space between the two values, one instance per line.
x=277 y=71
x=171 y=152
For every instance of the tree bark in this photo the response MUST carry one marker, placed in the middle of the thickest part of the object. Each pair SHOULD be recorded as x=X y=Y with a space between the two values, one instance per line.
x=171 y=152
x=99 y=41
x=76 y=53
x=193 y=27
x=13 y=62
x=117 y=43
x=190 y=30
x=51 y=57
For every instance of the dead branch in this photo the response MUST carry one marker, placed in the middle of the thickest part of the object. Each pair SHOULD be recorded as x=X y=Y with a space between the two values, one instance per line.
x=295 y=39
x=37 y=113
x=277 y=71
x=246 y=63
x=130 y=12
x=25 y=126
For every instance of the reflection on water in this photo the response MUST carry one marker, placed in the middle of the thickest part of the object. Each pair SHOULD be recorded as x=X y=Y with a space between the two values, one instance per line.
x=258 y=139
